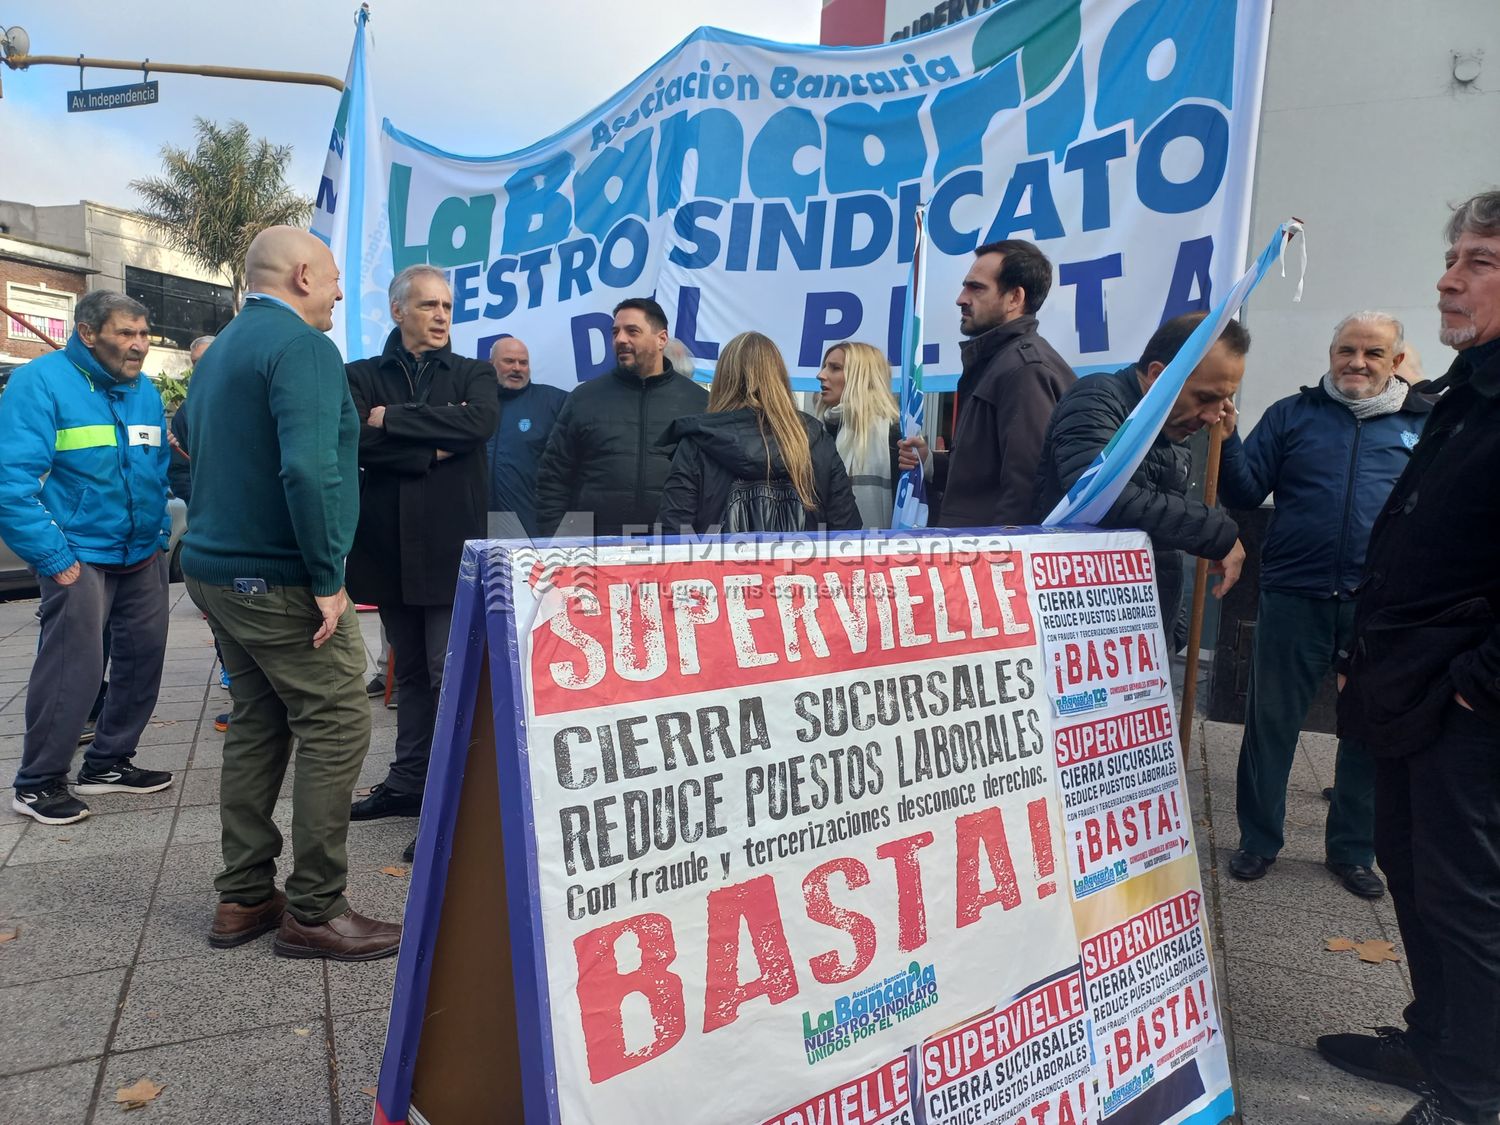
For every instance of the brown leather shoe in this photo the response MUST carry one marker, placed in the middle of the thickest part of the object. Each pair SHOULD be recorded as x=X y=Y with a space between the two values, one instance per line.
x=236 y=923
x=349 y=937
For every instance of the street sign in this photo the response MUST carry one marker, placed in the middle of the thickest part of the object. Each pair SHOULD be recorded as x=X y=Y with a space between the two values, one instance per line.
x=112 y=97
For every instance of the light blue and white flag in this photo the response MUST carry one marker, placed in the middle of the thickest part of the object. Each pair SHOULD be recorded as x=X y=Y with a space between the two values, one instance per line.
x=911 y=489
x=1096 y=491
x=361 y=320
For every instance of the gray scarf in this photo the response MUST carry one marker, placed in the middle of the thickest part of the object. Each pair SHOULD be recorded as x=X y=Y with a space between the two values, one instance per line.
x=1388 y=401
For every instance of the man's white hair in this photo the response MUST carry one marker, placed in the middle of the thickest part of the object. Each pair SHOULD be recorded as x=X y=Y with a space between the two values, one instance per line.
x=400 y=290
x=1371 y=316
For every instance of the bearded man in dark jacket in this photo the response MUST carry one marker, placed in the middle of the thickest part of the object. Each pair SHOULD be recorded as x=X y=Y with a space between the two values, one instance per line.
x=426 y=415
x=602 y=467
x=1155 y=499
x=1012 y=380
x=1423 y=694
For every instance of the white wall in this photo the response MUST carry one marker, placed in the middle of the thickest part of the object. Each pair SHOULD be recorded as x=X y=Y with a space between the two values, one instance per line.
x=1366 y=137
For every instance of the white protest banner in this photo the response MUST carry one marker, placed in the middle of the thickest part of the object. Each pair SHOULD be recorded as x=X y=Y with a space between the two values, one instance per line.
x=797 y=844
x=757 y=185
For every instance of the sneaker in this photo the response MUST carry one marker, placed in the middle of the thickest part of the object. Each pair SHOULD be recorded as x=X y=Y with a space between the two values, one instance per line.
x=86 y=735
x=221 y=722
x=1385 y=1056
x=223 y=677
x=376 y=687
x=383 y=802
x=50 y=803
x=122 y=778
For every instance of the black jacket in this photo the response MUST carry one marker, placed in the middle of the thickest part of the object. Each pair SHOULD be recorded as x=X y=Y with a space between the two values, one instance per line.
x=602 y=456
x=712 y=451
x=1011 y=382
x=415 y=511
x=1331 y=473
x=1155 y=499
x=1425 y=619
x=526 y=420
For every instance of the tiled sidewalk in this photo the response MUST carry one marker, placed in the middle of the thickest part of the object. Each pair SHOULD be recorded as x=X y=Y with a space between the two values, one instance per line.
x=111 y=979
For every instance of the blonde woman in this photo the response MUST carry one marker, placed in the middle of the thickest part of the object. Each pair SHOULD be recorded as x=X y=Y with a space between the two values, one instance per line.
x=858 y=409
x=753 y=462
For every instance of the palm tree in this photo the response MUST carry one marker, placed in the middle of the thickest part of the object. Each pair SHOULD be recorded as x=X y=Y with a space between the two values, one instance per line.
x=209 y=203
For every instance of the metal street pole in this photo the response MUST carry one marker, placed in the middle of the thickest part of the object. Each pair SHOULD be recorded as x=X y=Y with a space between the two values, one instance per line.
x=21 y=62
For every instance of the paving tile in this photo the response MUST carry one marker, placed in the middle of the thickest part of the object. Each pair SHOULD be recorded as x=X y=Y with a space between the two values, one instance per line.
x=1297 y=885
x=11 y=833
x=189 y=868
x=377 y=843
x=180 y=693
x=217 y=991
x=359 y=1045
x=1292 y=1007
x=59 y=1095
x=178 y=926
x=168 y=734
x=1279 y=1085
x=187 y=711
x=268 y=1074
x=362 y=986
x=63 y=1023
x=85 y=939
x=39 y=888
x=201 y=786
x=1297 y=939
x=98 y=835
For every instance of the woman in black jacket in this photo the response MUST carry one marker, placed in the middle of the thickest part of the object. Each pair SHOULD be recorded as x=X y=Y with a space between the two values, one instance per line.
x=753 y=462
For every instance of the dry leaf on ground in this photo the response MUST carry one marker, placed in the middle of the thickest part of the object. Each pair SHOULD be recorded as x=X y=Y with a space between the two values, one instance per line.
x=1374 y=952
x=394 y=872
x=140 y=1094
x=369 y=1091
x=1339 y=945
x=9 y=935
x=302 y=1031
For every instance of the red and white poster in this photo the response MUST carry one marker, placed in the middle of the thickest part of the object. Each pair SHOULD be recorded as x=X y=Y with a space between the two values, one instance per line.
x=1150 y=993
x=795 y=840
x=1100 y=628
x=1121 y=783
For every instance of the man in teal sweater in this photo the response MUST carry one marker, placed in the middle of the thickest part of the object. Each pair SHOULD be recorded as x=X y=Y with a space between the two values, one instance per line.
x=275 y=498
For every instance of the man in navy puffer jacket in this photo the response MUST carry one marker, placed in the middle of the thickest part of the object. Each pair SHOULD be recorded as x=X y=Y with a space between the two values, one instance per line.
x=1331 y=453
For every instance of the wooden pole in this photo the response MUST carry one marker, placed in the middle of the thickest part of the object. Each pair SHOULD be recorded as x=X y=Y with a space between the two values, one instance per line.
x=21 y=62
x=32 y=328
x=1200 y=589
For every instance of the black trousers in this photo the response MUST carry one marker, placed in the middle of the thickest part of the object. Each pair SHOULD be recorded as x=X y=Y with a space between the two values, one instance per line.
x=419 y=634
x=1437 y=836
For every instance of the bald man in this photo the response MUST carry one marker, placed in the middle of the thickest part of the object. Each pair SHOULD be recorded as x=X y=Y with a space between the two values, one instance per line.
x=274 y=501
x=527 y=413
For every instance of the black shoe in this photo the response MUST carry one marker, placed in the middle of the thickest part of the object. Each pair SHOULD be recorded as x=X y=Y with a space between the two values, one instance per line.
x=410 y=853
x=1247 y=866
x=1385 y=1056
x=86 y=735
x=1328 y=793
x=1431 y=1111
x=1357 y=880
x=383 y=802
x=376 y=687
x=50 y=803
x=122 y=778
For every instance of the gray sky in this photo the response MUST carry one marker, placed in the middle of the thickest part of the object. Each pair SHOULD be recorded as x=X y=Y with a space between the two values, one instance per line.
x=480 y=78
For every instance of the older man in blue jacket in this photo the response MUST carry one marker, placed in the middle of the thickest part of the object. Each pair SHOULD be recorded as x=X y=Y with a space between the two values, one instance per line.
x=83 y=500
x=1331 y=453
